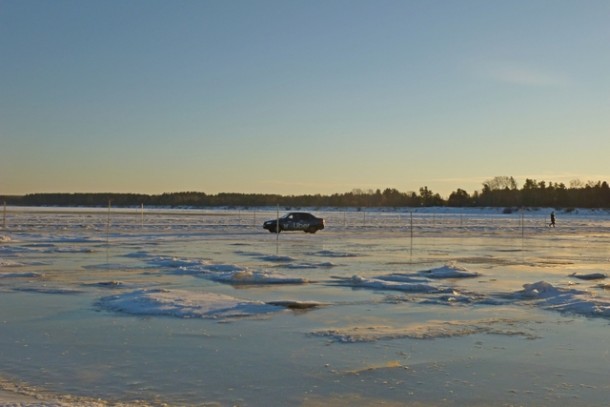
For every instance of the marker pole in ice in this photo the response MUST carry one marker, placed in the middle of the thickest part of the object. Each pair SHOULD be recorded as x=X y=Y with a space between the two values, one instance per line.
x=4 y=216
x=108 y=221
x=522 y=224
x=277 y=223
x=108 y=230
x=411 y=229
x=277 y=232
x=142 y=213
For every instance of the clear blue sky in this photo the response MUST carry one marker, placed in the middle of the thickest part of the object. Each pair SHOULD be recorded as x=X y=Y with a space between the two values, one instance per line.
x=297 y=97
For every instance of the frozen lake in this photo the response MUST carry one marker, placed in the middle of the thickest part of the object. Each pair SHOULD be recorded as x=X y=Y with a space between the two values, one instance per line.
x=203 y=307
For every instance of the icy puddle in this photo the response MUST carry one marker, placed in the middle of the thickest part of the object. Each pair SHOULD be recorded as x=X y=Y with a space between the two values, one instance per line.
x=192 y=308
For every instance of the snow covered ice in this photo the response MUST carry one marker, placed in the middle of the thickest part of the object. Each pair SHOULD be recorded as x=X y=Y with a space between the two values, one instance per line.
x=204 y=307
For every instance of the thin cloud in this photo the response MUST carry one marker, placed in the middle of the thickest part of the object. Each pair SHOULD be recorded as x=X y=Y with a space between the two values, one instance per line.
x=308 y=186
x=528 y=77
x=521 y=74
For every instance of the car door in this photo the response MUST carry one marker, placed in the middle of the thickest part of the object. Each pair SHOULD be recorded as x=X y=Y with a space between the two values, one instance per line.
x=290 y=221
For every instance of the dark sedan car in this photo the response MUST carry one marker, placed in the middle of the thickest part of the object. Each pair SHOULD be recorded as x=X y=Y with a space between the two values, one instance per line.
x=295 y=221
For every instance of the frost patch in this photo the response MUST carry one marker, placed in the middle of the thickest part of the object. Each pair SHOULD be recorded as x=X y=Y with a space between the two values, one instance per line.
x=426 y=330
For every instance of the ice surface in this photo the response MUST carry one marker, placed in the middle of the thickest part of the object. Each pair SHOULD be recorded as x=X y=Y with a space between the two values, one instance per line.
x=404 y=298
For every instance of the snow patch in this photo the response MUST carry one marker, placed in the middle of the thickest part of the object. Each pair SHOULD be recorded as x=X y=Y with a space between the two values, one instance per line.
x=69 y=249
x=247 y=277
x=331 y=253
x=449 y=271
x=305 y=266
x=10 y=263
x=227 y=273
x=379 y=284
x=174 y=262
x=183 y=304
x=564 y=300
x=44 y=289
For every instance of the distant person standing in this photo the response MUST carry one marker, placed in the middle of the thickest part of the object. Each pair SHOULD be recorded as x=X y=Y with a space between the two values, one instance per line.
x=552 y=224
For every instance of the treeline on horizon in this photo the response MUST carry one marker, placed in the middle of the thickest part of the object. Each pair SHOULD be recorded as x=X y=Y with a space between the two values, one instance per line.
x=501 y=191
